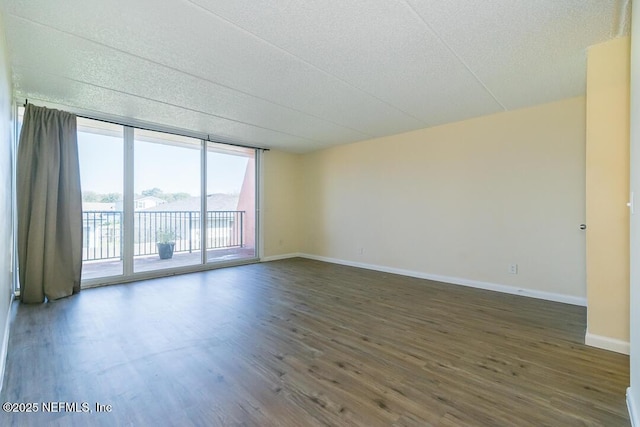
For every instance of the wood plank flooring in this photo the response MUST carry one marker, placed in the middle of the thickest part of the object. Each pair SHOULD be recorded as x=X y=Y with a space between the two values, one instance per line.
x=305 y=343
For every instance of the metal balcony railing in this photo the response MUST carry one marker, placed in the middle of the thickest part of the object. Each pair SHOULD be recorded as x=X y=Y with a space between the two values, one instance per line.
x=103 y=238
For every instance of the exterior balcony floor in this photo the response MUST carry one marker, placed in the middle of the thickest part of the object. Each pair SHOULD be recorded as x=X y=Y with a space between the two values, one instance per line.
x=114 y=267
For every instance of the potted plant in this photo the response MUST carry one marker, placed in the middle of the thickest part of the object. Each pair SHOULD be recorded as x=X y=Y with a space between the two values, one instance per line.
x=166 y=242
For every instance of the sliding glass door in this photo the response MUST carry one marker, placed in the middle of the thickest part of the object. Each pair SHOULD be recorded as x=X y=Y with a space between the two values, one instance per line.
x=101 y=156
x=231 y=195
x=155 y=203
x=167 y=201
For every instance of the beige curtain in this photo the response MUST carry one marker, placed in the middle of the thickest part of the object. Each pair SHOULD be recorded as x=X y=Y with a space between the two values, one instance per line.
x=49 y=206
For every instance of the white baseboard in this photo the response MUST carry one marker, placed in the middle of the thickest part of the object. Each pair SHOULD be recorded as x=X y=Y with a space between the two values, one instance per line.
x=279 y=257
x=532 y=293
x=633 y=410
x=5 y=344
x=607 y=343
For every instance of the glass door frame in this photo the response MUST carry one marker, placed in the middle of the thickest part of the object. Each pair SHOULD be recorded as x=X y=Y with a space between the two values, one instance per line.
x=129 y=211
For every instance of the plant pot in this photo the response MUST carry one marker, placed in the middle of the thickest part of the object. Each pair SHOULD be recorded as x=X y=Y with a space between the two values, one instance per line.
x=165 y=250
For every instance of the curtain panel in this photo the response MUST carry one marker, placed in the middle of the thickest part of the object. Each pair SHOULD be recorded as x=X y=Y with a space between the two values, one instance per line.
x=49 y=206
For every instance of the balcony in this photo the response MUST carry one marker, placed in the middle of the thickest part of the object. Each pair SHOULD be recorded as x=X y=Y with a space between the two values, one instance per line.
x=103 y=240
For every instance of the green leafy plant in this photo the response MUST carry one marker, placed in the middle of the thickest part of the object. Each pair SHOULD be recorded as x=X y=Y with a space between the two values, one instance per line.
x=164 y=236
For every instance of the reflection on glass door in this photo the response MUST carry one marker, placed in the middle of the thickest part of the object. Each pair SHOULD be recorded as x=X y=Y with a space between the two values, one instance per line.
x=167 y=201
x=231 y=194
x=101 y=157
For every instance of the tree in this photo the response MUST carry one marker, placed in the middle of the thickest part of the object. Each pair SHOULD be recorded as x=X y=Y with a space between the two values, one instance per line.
x=155 y=192
x=111 y=197
x=90 y=196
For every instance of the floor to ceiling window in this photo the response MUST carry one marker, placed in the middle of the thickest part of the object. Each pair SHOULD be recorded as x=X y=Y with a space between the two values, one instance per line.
x=167 y=201
x=231 y=195
x=101 y=157
x=155 y=203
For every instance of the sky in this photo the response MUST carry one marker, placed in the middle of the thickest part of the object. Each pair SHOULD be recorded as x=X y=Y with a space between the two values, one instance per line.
x=170 y=168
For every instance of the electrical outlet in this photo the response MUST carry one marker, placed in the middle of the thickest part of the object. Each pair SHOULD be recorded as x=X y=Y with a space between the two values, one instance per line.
x=513 y=268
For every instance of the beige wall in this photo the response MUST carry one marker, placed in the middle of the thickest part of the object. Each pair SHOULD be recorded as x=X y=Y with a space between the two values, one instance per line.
x=282 y=209
x=607 y=182
x=633 y=393
x=463 y=200
x=6 y=276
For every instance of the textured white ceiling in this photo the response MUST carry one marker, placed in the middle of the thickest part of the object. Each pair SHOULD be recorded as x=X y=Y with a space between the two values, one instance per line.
x=298 y=75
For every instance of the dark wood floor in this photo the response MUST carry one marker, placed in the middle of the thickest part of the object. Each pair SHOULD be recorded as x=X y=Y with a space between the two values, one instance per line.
x=305 y=343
